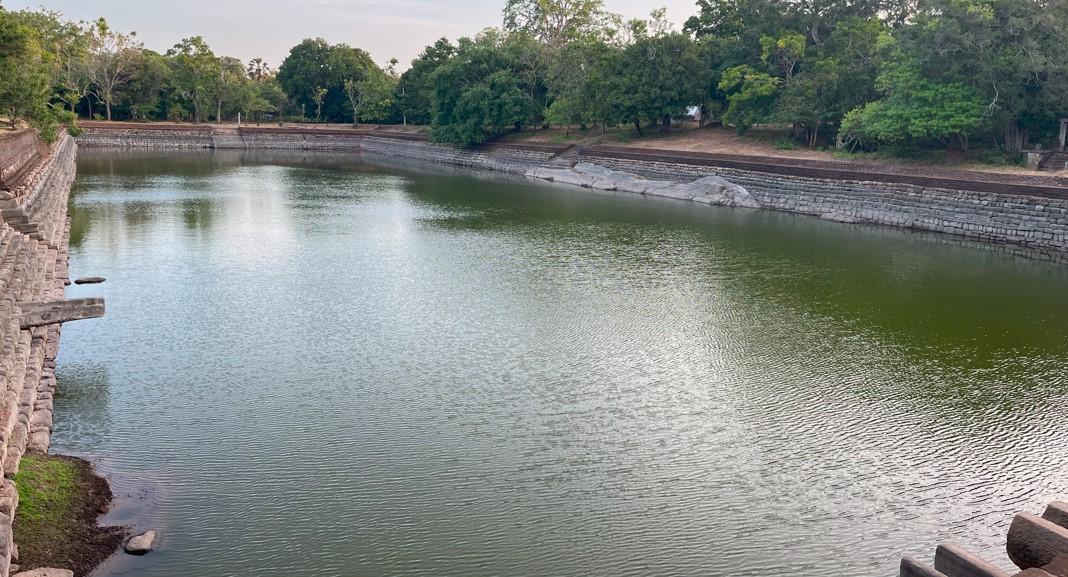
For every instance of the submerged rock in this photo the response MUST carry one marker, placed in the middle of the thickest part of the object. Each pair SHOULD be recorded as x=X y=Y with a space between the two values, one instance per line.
x=141 y=544
x=90 y=280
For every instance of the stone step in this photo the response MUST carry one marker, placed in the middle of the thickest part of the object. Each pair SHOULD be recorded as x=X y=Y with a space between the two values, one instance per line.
x=957 y=562
x=1034 y=542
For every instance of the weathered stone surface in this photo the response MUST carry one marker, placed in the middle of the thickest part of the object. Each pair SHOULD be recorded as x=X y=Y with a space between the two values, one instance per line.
x=957 y=562
x=705 y=190
x=1057 y=513
x=42 y=313
x=38 y=442
x=910 y=567
x=45 y=572
x=90 y=280
x=1034 y=541
x=141 y=544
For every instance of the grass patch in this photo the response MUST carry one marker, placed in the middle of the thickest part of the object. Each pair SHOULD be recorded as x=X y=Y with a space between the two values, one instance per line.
x=48 y=492
x=60 y=499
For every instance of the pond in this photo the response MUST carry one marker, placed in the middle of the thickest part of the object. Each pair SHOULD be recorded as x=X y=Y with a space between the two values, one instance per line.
x=336 y=365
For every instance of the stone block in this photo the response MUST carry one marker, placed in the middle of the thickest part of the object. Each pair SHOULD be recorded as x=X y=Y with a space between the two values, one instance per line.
x=1057 y=513
x=956 y=562
x=910 y=567
x=1035 y=542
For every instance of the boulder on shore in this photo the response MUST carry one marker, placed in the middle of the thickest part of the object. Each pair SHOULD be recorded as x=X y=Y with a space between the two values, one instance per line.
x=141 y=544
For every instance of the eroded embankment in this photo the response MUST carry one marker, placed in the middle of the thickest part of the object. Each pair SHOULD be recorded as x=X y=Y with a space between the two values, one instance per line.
x=1010 y=212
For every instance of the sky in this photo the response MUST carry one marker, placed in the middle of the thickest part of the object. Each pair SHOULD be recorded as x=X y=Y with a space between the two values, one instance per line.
x=267 y=29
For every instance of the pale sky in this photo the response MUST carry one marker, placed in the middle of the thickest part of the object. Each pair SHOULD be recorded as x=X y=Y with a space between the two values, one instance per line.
x=267 y=29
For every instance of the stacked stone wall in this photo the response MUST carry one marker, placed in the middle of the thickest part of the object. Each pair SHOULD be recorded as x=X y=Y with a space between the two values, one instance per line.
x=16 y=150
x=1032 y=221
x=1034 y=216
x=499 y=158
x=275 y=139
x=34 y=232
x=127 y=136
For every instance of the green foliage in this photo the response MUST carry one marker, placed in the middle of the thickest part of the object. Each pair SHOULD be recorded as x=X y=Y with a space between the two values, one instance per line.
x=414 y=89
x=916 y=108
x=657 y=78
x=481 y=89
x=785 y=144
x=25 y=78
x=194 y=69
x=904 y=77
x=751 y=96
x=315 y=65
x=555 y=22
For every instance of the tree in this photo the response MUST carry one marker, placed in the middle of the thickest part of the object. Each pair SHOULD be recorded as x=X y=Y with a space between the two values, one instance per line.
x=752 y=95
x=315 y=65
x=414 y=88
x=317 y=98
x=554 y=22
x=259 y=98
x=66 y=48
x=373 y=94
x=229 y=84
x=578 y=83
x=24 y=78
x=916 y=108
x=195 y=70
x=258 y=70
x=476 y=91
x=148 y=77
x=111 y=58
x=657 y=78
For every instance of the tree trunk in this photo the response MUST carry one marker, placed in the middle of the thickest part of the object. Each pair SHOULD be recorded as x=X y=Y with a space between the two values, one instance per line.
x=666 y=126
x=1013 y=136
x=638 y=127
x=218 y=111
x=107 y=103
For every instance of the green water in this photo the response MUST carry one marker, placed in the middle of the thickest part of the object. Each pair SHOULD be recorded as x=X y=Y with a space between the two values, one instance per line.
x=324 y=366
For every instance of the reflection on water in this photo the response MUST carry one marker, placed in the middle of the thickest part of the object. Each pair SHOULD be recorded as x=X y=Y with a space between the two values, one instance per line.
x=311 y=363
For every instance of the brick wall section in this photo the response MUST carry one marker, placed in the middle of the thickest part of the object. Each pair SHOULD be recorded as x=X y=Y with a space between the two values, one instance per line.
x=33 y=267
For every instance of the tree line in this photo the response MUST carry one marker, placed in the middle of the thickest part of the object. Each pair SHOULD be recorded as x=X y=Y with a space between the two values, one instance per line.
x=852 y=74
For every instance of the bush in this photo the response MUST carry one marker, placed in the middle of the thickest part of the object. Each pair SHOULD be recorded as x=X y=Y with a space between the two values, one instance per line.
x=785 y=144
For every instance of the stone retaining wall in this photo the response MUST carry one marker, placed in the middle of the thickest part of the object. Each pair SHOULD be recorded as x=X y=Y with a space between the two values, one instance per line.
x=283 y=139
x=17 y=149
x=1031 y=215
x=135 y=136
x=512 y=159
x=34 y=231
x=1031 y=221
